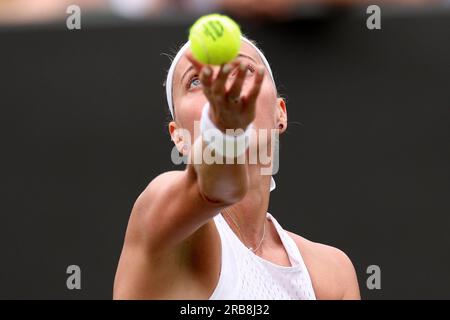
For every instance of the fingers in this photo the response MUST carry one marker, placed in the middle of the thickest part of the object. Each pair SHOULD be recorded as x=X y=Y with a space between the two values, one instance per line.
x=250 y=98
x=218 y=87
x=206 y=80
x=236 y=88
x=197 y=64
x=205 y=73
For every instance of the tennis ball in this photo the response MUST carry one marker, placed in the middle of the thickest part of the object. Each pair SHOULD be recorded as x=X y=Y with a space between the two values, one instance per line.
x=215 y=39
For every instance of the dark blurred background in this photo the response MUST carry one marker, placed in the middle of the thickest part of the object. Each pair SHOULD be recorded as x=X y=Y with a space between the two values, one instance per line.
x=364 y=164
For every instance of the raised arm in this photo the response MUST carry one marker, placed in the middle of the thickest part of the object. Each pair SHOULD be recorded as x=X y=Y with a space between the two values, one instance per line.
x=178 y=203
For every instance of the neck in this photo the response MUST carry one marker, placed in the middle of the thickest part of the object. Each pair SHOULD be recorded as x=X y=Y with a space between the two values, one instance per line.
x=250 y=213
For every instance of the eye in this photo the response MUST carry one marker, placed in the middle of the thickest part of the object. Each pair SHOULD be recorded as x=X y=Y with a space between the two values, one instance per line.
x=249 y=67
x=193 y=80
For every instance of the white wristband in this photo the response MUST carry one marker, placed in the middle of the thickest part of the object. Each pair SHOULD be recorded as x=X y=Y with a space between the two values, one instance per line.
x=228 y=145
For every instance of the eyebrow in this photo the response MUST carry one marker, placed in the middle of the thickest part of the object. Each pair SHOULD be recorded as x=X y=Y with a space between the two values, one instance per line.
x=246 y=56
x=186 y=72
x=192 y=66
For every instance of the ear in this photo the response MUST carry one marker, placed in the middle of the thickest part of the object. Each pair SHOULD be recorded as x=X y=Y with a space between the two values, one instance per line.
x=178 y=138
x=281 y=115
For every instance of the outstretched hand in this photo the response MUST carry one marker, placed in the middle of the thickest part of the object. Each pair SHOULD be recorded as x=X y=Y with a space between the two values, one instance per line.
x=229 y=109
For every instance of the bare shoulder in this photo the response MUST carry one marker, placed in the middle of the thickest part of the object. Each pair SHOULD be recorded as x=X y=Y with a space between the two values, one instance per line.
x=331 y=270
x=155 y=207
x=156 y=186
x=146 y=201
x=160 y=236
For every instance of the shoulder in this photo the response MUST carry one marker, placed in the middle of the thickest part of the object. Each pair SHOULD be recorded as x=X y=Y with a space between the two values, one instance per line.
x=168 y=212
x=149 y=205
x=331 y=270
x=157 y=185
x=162 y=186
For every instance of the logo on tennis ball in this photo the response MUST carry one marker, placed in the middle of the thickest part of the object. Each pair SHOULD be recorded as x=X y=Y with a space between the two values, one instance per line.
x=214 y=29
x=215 y=39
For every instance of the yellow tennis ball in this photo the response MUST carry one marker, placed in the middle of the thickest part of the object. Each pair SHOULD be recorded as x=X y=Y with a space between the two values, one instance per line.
x=215 y=39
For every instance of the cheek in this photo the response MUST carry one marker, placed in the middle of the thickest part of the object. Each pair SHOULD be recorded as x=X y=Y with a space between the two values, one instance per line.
x=189 y=110
x=266 y=105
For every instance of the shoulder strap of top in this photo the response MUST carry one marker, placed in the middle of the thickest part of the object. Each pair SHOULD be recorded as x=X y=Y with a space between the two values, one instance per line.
x=289 y=244
x=229 y=274
x=292 y=250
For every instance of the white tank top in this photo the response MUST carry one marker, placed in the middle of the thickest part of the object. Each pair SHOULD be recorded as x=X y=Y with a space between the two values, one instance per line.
x=245 y=275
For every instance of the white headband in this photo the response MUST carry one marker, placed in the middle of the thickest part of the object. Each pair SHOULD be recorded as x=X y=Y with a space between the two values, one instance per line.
x=169 y=80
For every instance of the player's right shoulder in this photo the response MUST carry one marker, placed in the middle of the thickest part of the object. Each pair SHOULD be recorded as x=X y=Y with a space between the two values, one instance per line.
x=160 y=184
x=170 y=210
x=163 y=180
x=152 y=203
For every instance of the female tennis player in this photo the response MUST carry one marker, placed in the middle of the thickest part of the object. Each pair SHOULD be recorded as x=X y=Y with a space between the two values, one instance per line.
x=204 y=232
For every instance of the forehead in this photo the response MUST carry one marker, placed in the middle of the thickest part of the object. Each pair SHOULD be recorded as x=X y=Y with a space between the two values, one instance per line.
x=184 y=63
